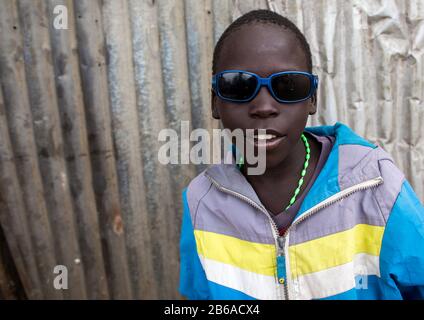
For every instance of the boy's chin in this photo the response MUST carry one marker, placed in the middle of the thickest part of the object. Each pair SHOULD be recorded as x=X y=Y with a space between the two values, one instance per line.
x=270 y=164
x=274 y=159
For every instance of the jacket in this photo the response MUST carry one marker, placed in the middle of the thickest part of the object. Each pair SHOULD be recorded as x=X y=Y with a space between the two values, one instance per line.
x=359 y=233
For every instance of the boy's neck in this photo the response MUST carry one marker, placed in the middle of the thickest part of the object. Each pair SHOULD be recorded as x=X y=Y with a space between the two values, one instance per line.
x=286 y=170
x=276 y=186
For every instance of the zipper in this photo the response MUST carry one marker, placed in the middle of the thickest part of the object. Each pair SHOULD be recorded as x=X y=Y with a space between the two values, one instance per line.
x=280 y=241
x=249 y=201
x=334 y=198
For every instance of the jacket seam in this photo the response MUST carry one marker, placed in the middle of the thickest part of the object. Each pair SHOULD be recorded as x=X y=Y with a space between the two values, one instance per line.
x=379 y=207
x=384 y=233
x=377 y=190
x=198 y=203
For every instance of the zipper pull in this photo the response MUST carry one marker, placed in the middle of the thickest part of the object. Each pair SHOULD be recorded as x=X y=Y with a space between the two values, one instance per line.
x=281 y=269
x=281 y=261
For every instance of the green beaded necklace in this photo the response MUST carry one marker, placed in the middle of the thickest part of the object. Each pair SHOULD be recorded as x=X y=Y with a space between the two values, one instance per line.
x=302 y=174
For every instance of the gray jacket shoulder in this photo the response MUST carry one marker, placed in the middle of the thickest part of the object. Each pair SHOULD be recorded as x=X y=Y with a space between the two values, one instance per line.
x=196 y=190
x=393 y=178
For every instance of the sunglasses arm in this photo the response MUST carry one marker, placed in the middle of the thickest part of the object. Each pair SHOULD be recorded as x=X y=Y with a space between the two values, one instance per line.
x=214 y=82
x=316 y=81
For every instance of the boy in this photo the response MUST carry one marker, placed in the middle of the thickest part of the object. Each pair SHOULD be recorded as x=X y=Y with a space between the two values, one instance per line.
x=331 y=217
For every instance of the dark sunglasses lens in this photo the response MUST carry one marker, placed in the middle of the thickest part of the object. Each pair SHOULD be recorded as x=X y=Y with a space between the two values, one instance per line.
x=291 y=87
x=237 y=85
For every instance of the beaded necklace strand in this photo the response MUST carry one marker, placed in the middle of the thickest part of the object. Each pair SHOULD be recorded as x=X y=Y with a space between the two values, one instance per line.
x=302 y=174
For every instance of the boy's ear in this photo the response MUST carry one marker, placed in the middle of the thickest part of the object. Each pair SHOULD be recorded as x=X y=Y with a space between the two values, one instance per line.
x=215 y=113
x=313 y=104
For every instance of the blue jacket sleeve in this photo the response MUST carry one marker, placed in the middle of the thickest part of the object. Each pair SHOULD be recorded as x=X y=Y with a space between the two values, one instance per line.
x=402 y=251
x=193 y=281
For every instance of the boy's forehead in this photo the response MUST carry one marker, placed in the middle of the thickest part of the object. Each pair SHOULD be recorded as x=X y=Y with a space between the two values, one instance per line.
x=262 y=48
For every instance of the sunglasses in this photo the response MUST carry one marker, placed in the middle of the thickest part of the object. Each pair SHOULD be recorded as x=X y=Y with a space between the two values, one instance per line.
x=285 y=87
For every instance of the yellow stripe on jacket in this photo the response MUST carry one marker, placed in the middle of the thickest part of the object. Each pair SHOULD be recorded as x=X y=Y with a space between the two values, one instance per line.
x=335 y=249
x=251 y=256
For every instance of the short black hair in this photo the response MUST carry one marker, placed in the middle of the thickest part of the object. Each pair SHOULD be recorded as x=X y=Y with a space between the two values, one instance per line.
x=262 y=16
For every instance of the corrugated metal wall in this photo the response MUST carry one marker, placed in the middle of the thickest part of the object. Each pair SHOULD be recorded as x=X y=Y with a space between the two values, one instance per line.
x=81 y=109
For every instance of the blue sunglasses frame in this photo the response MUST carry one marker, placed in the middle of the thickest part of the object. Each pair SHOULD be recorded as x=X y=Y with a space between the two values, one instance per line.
x=267 y=83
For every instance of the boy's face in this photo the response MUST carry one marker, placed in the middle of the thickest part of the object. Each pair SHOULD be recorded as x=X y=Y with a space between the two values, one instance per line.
x=264 y=49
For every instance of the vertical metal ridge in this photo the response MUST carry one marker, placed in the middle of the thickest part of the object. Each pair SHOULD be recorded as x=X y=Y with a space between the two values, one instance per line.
x=49 y=143
x=77 y=155
x=126 y=139
x=93 y=61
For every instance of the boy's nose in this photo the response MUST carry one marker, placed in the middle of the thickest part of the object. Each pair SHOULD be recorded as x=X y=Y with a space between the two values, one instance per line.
x=263 y=105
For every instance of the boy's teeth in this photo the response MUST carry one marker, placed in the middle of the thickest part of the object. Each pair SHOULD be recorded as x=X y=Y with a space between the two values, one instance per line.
x=264 y=136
